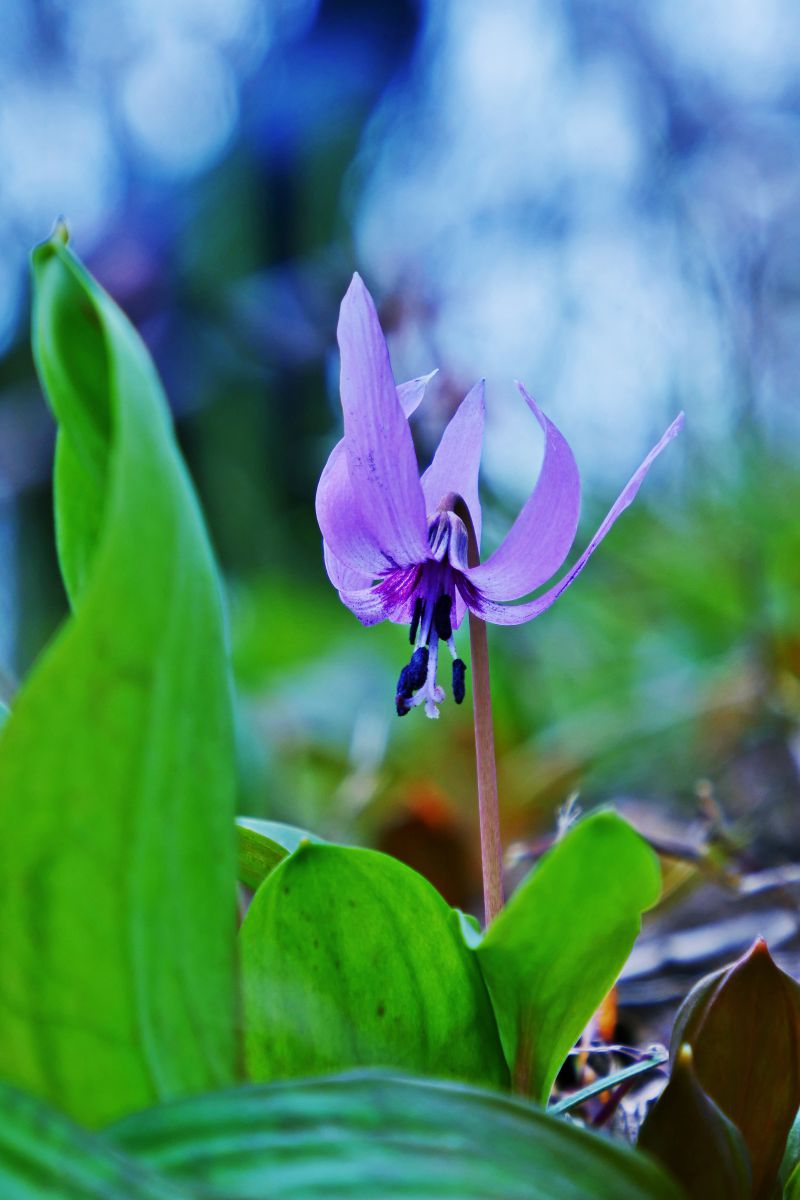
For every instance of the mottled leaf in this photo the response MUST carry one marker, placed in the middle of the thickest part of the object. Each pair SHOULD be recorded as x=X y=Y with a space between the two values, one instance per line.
x=117 y=766
x=554 y=951
x=363 y=1136
x=350 y=958
x=44 y=1154
x=373 y=1136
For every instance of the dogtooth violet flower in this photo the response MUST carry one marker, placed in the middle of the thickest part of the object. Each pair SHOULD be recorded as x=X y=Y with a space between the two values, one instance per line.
x=395 y=547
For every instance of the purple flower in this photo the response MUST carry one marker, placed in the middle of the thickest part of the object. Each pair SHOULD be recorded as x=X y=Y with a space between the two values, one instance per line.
x=394 y=548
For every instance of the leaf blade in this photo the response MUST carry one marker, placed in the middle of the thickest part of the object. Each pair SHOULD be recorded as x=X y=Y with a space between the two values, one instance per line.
x=349 y=958
x=556 y=949
x=370 y=1134
x=117 y=973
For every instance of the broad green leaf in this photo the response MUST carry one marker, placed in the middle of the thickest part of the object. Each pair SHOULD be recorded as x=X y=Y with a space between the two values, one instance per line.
x=743 y=1025
x=365 y=1136
x=557 y=947
x=350 y=958
x=264 y=844
x=3 y=713
x=117 y=762
x=44 y=1154
x=695 y=1141
x=372 y=1136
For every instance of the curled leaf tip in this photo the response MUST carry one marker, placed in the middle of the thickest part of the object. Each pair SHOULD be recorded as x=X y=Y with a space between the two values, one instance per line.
x=60 y=233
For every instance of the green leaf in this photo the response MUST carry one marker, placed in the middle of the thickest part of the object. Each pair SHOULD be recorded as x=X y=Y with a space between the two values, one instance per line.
x=692 y=1137
x=350 y=958
x=791 y=1189
x=117 y=762
x=743 y=1025
x=790 y=1166
x=264 y=844
x=556 y=949
x=375 y=1136
x=365 y=1136
x=44 y=1154
x=4 y=713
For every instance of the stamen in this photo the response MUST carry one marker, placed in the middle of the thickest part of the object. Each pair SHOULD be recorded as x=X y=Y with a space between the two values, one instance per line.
x=459 y=687
x=419 y=609
x=412 y=677
x=404 y=687
x=417 y=669
x=441 y=617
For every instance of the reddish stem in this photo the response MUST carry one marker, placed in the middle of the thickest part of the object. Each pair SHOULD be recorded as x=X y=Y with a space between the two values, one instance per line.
x=488 y=809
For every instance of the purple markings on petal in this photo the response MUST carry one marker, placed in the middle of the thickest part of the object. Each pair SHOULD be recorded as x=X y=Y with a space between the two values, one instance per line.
x=395 y=592
x=540 y=538
x=381 y=461
x=517 y=614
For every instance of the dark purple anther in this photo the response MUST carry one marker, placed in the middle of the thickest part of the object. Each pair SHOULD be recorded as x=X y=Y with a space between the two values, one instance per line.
x=417 y=669
x=459 y=689
x=441 y=617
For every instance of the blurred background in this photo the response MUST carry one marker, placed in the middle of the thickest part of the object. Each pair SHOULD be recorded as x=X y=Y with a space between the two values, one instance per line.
x=600 y=198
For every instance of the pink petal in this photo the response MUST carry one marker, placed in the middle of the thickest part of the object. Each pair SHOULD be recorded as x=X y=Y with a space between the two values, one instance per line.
x=380 y=451
x=457 y=460
x=516 y=614
x=540 y=538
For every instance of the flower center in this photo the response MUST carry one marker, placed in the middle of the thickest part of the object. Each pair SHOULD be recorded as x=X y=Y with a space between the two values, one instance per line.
x=432 y=619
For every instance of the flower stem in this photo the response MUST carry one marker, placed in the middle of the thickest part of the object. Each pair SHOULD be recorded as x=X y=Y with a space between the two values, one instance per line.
x=488 y=809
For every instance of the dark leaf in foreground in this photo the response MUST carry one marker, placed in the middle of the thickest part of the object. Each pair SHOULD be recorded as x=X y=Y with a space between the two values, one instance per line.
x=743 y=1024
x=361 y=1136
x=371 y=1135
x=689 y=1134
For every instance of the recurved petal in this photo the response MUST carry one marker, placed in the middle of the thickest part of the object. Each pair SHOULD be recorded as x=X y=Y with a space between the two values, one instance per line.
x=346 y=535
x=457 y=460
x=516 y=614
x=539 y=540
x=380 y=452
